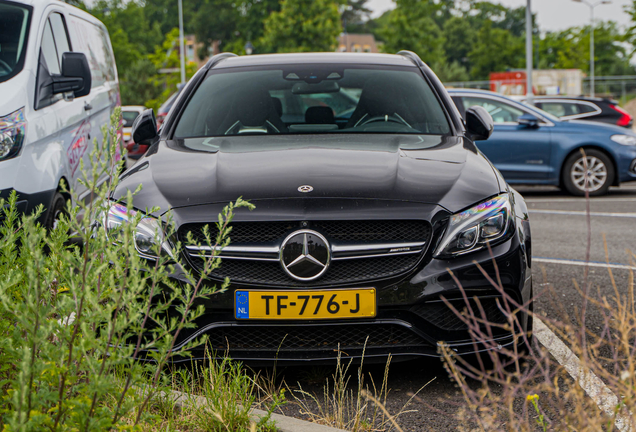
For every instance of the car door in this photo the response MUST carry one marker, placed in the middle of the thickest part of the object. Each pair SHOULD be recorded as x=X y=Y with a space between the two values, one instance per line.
x=521 y=153
x=92 y=40
x=72 y=121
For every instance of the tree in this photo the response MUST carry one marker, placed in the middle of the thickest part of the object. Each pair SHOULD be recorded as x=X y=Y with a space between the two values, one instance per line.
x=133 y=37
x=496 y=50
x=251 y=25
x=410 y=27
x=167 y=56
x=354 y=15
x=460 y=40
x=302 y=26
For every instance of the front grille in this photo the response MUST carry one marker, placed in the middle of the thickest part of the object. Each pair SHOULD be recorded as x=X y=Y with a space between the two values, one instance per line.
x=363 y=231
x=312 y=338
x=345 y=271
x=441 y=316
x=339 y=271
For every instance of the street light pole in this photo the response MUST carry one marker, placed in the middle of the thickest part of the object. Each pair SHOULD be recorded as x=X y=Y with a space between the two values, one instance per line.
x=592 y=6
x=529 y=92
x=181 y=43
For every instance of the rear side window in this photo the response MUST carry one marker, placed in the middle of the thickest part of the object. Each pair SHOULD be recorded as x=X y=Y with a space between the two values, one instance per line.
x=584 y=108
x=92 y=40
x=15 y=20
x=318 y=98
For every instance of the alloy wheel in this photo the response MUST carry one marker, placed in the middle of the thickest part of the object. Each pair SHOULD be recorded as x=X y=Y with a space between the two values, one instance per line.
x=596 y=173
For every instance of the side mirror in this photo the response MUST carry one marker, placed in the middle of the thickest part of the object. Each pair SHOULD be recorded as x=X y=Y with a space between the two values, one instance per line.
x=529 y=121
x=144 y=128
x=75 y=77
x=479 y=124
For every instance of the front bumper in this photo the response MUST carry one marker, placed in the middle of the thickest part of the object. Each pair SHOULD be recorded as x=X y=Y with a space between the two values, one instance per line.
x=412 y=317
x=27 y=203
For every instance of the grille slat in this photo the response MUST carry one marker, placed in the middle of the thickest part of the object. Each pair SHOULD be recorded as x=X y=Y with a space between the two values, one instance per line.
x=312 y=338
x=341 y=271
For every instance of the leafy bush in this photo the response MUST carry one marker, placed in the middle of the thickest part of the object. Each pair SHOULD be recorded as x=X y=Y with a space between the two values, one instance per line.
x=80 y=310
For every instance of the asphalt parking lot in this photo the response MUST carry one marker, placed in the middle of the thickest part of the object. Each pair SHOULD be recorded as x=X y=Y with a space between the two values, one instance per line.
x=560 y=238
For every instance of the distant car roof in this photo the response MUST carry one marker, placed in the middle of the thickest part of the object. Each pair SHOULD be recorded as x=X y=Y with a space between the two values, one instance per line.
x=133 y=108
x=580 y=98
x=336 y=58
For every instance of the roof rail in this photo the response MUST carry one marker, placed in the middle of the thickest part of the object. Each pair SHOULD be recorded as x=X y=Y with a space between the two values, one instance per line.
x=412 y=56
x=217 y=58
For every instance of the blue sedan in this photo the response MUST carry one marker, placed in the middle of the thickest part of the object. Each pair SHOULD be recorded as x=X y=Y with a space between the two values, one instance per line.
x=530 y=146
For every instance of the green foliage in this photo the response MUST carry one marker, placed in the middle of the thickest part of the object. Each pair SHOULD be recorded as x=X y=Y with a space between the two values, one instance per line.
x=418 y=31
x=570 y=49
x=497 y=50
x=167 y=56
x=76 y=318
x=302 y=26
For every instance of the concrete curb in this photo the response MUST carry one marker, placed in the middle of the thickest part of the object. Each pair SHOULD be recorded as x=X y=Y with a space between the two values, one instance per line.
x=283 y=423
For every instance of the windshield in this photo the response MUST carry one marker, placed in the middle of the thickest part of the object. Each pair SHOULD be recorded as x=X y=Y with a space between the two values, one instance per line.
x=14 y=31
x=129 y=117
x=295 y=99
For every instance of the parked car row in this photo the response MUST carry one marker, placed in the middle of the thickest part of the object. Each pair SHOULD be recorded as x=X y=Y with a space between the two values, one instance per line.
x=585 y=108
x=531 y=146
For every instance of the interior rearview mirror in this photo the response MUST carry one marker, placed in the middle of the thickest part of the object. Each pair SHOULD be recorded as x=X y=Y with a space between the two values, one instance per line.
x=479 y=123
x=75 y=77
x=144 y=128
x=528 y=120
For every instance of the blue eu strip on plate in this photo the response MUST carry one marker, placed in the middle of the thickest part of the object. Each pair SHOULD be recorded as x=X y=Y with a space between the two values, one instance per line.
x=242 y=304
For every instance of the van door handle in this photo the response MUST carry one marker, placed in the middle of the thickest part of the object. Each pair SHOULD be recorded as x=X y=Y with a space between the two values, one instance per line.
x=87 y=106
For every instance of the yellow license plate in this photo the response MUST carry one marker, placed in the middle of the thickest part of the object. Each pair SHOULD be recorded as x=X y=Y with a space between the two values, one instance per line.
x=305 y=304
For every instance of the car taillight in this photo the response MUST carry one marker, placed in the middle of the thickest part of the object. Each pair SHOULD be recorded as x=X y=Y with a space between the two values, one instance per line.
x=625 y=119
x=160 y=119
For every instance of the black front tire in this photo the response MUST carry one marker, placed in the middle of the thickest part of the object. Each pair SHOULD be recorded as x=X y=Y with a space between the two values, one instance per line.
x=600 y=173
x=57 y=209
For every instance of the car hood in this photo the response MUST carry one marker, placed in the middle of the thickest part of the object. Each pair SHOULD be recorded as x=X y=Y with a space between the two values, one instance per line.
x=447 y=171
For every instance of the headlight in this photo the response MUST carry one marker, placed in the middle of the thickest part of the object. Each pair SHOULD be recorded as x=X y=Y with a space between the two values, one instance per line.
x=472 y=229
x=149 y=235
x=12 y=129
x=624 y=139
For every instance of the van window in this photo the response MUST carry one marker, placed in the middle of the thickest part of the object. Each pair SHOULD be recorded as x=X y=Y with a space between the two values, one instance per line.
x=93 y=41
x=49 y=51
x=14 y=31
x=59 y=33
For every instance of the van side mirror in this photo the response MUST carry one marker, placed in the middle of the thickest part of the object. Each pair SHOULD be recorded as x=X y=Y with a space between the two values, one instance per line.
x=144 y=128
x=528 y=120
x=479 y=123
x=75 y=77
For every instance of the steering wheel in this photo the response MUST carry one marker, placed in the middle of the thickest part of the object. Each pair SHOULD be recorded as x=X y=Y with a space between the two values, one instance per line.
x=384 y=118
x=5 y=65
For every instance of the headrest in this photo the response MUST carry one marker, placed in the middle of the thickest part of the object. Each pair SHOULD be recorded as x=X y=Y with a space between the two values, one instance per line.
x=278 y=106
x=319 y=115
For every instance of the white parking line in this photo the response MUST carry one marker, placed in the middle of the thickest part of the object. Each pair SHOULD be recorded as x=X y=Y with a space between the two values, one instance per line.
x=583 y=213
x=582 y=263
x=589 y=382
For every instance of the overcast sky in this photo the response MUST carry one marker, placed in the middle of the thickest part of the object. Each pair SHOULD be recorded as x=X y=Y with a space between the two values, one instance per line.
x=551 y=14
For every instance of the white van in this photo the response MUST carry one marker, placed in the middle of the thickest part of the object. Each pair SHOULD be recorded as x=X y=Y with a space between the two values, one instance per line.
x=58 y=87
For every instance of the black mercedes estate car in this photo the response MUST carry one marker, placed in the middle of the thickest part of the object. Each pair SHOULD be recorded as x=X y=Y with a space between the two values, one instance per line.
x=372 y=203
